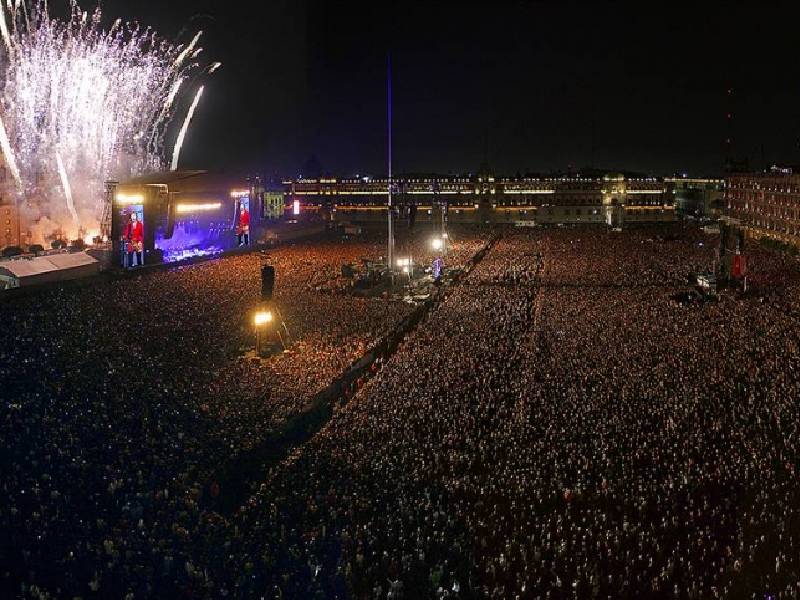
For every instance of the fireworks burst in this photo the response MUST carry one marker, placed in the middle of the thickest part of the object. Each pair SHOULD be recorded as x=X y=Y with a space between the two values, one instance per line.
x=80 y=105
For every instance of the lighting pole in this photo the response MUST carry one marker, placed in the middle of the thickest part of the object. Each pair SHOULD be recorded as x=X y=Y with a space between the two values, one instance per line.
x=261 y=320
x=440 y=218
x=389 y=119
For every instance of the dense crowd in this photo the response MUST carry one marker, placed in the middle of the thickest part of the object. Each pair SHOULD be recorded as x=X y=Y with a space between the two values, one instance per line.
x=551 y=433
x=122 y=398
x=649 y=256
x=557 y=427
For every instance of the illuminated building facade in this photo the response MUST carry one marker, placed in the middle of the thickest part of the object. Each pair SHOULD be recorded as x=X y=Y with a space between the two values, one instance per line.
x=765 y=204
x=9 y=224
x=698 y=197
x=612 y=199
x=9 y=213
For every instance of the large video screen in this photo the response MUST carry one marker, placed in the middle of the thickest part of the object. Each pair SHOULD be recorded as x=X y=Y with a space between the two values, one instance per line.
x=243 y=220
x=131 y=218
x=273 y=205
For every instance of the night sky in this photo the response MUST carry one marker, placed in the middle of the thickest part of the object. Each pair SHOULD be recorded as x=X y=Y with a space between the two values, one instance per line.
x=534 y=87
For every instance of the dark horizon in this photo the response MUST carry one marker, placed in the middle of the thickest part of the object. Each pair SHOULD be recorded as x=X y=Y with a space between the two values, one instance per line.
x=528 y=87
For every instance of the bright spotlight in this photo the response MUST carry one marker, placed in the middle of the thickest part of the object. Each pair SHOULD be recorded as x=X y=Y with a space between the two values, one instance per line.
x=129 y=198
x=437 y=243
x=187 y=208
x=262 y=317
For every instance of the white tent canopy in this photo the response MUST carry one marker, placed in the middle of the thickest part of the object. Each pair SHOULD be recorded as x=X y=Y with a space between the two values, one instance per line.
x=24 y=271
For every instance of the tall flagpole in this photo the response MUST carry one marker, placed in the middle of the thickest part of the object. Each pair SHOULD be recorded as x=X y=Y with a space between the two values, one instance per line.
x=389 y=118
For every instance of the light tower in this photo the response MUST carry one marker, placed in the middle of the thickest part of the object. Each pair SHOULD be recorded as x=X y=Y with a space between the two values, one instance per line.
x=108 y=207
x=390 y=248
x=439 y=219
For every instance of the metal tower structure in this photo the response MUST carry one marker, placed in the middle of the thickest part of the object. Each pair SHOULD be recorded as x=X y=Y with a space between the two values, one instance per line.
x=105 y=221
x=390 y=182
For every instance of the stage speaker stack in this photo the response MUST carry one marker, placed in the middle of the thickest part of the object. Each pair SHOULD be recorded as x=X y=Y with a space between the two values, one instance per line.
x=267 y=282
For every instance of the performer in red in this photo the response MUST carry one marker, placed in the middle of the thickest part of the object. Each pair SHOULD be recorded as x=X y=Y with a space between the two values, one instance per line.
x=133 y=236
x=243 y=231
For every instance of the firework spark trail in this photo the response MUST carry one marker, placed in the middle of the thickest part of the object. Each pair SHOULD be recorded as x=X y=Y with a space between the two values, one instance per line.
x=62 y=173
x=161 y=121
x=172 y=93
x=179 y=143
x=4 y=28
x=187 y=50
x=8 y=153
x=82 y=105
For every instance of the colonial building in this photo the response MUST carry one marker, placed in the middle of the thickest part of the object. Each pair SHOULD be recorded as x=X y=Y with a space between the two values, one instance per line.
x=9 y=214
x=765 y=204
x=612 y=199
x=698 y=197
x=9 y=225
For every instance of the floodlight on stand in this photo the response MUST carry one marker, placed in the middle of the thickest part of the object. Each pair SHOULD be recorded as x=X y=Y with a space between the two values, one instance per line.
x=262 y=318
x=437 y=243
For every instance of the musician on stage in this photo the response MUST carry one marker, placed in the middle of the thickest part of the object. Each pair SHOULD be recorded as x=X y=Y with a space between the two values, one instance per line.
x=133 y=236
x=243 y=230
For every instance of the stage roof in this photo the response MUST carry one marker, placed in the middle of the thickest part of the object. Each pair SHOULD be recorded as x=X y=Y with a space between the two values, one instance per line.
x=161 y=177
x=187 y=181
